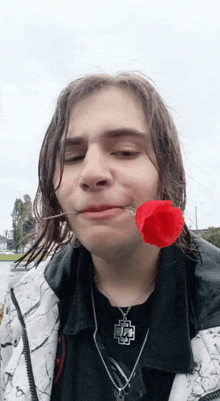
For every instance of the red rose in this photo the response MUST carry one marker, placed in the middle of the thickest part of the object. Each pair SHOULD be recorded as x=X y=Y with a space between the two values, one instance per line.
x=159 y=222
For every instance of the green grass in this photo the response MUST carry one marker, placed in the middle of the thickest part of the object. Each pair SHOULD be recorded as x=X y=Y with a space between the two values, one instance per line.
x=11 y=257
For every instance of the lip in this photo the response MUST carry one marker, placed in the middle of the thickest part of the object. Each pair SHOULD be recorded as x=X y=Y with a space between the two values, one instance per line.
x=103 y=214
x=99 y=208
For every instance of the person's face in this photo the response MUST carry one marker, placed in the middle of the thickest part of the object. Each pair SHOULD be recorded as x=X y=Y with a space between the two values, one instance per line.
x=108 y=165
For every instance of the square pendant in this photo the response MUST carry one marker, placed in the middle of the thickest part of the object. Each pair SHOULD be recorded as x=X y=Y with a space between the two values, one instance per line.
x=124 y=332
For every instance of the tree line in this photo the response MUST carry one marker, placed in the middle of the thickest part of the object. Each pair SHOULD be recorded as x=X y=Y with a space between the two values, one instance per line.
x=23 y=222
x=212 y=235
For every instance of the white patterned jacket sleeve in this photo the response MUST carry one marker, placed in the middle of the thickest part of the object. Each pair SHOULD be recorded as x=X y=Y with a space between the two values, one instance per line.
x=6 y=344
x=39 y=308
x=205 y=378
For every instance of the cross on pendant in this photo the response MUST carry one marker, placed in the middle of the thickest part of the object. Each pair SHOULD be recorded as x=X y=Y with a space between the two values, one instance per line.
x=124 y=332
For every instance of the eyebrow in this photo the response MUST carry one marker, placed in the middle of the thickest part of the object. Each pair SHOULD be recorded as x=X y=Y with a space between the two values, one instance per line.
x=122 y=132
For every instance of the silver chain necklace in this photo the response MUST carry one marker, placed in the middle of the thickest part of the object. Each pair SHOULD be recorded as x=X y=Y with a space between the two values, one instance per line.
x=120 y=390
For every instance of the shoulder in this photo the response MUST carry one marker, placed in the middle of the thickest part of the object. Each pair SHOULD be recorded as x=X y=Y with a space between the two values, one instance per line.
x=210 y=254
x=32 y=290
x=208 y=266
x=207 y=284
x=33 y=296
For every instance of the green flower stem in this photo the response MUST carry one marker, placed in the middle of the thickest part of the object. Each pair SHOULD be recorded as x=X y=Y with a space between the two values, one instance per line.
x=132 y=210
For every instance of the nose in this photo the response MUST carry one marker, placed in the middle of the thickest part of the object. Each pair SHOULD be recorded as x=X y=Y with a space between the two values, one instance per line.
x=95 y=173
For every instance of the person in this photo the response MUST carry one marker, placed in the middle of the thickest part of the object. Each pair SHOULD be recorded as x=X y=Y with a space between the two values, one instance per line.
x=110 y=317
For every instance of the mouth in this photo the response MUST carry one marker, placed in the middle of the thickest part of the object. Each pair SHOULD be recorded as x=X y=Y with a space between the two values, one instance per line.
x=104 y=213
x=95 y=209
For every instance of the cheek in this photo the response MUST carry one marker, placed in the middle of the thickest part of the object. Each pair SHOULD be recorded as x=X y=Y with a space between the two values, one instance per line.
x=66 y=191
x=62 y=194
x=144 y=177
x=150 y=187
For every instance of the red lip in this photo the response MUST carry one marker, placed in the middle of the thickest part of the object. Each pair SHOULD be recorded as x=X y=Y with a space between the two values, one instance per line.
x=99 y=208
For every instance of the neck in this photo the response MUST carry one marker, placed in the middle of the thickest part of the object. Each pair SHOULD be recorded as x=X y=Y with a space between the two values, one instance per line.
x=128 y=280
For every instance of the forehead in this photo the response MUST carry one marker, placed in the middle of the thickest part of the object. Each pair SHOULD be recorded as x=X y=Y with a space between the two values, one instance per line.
x=110 y=109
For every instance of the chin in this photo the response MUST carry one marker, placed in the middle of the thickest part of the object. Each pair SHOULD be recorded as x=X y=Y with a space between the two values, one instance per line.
x=98 y=243
x=108 y=247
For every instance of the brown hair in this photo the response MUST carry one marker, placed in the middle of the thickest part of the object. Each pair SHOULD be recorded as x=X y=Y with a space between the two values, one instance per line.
x=56 y=233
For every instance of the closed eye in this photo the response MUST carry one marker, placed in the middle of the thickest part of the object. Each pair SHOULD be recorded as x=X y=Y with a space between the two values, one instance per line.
x=127 y=153
x=71 y=160
x=124 y=153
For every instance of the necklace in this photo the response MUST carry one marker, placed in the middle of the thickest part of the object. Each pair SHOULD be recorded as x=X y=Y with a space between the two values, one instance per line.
x=124 y=331
x=120 y=390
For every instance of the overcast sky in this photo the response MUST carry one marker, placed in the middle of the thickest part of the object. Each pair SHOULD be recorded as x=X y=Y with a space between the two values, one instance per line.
x=45 y=44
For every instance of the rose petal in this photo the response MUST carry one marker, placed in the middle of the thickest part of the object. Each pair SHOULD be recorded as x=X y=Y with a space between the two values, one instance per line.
x=159 y=222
